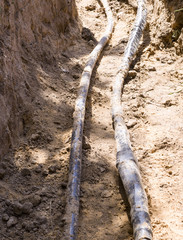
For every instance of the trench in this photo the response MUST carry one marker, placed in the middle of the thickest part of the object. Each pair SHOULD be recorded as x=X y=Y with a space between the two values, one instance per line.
x=129 y=172
x=34 y=175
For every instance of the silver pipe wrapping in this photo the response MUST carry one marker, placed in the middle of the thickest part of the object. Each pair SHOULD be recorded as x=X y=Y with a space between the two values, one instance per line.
x=72 y=208
x=126 y=162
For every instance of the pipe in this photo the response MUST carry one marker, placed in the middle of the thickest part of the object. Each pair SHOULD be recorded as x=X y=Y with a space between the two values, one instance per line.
x=126 y=162
x=72 y=208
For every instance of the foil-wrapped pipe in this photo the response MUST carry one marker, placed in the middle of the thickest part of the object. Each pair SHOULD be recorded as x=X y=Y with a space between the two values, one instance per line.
x=72 y=208
x=126 y=162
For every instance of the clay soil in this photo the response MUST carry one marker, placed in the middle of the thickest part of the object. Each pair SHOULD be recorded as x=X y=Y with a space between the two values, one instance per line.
x=34 y=175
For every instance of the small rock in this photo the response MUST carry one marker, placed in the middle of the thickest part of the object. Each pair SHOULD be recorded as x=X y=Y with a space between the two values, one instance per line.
x=153 y=150
x=91 y=43
x=90 y=7
x=36 y=199
x=5 y=217
x=106 y=194
x=41 y=219
x=151 y=68
x=2 y=173
x=86 y=144
x=34 y=137
x=137 y=68
x=141 y=95
x=168 y=166
x=132 y=73
x=49 y=139
x=25 y=172
x=38 y=169
x=52 y=169
x=170 y=61
x=28 y=226
x=63 y=222
x=27 y=207
x=12 y=221
x=164 y=60
x=64 y=70
x=131 y=123
x=8 y=202
x=102 y=169
x=45 y=173
x=17 y=208
x=168 y=103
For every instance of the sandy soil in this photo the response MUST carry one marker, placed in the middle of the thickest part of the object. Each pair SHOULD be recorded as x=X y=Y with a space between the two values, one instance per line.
x=34 y=179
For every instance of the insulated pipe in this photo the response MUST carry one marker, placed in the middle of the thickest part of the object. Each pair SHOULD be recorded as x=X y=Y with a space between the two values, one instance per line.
x=72 y=208
x=126 y=162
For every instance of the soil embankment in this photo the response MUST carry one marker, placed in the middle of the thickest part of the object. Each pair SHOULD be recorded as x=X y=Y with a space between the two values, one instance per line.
x=32 y=34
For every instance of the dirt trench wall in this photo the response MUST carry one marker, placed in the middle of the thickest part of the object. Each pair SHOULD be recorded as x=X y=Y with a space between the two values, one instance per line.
x=31 y=32
x=166 y=24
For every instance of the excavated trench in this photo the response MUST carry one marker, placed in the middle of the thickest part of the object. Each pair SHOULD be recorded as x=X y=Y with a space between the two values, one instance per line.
x=42 y=58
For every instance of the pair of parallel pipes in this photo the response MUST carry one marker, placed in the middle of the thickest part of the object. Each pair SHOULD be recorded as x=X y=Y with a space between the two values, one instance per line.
x=126 y=162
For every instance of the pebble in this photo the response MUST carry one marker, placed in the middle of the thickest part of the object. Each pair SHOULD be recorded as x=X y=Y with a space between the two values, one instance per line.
x=132 y=73
x=164 y=60
x=12 y=221
x=106 y=194
x=170 y=61
x=28 y=226
x=142 y=95
x=5 y=217
x=131 y=123
x=151 y=68
x=52 y=169
x=137 y=68
x=91 y=43
x=102 y=169
x=38 y=169
x=86 y=144
x=17 y=208
x=34 y=137
x=25 y=172
x=27 y=207
x=64 y=70
x=45 y=173
x=41 y=219
x=36 y=200
x=90 y=7
x=168 y=103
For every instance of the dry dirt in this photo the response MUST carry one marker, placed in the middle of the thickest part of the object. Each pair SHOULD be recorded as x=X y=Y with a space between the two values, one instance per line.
x=34 y=175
